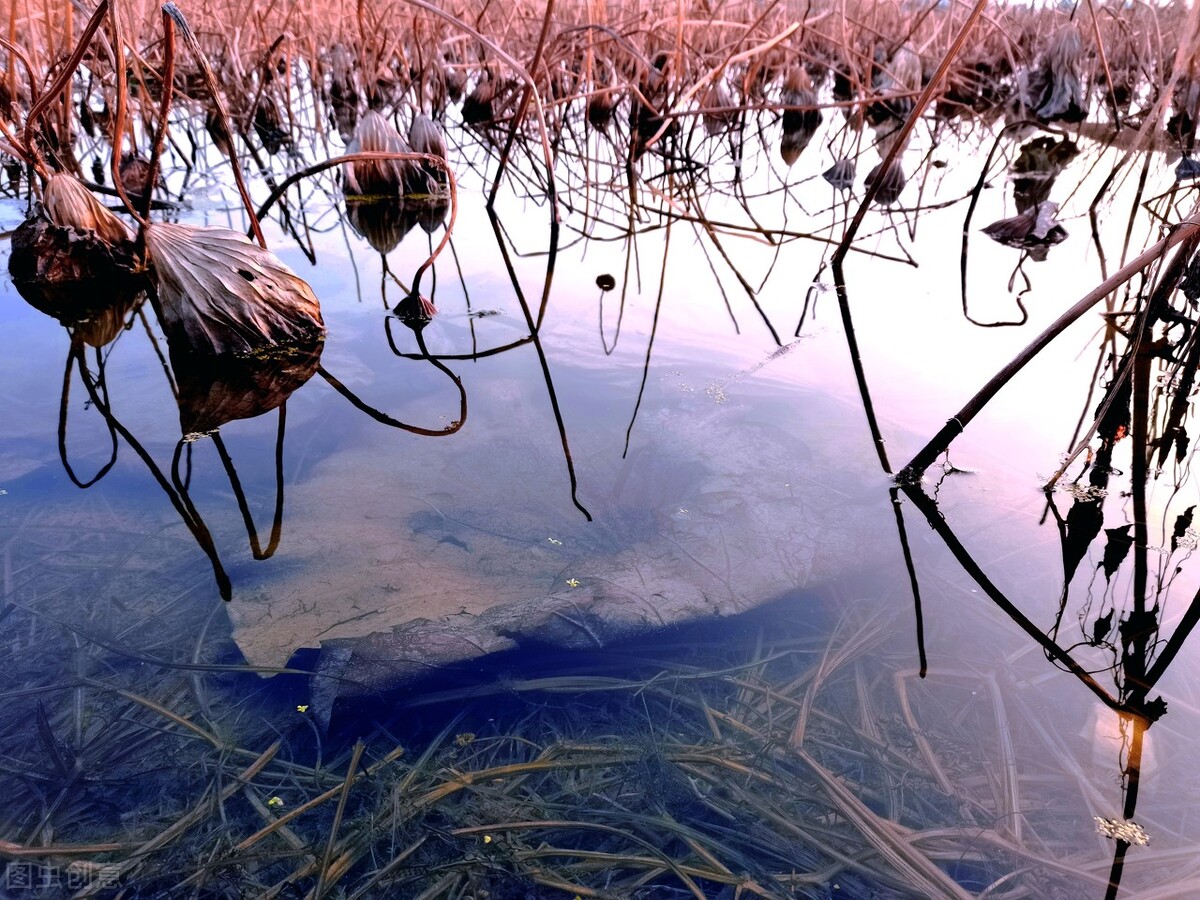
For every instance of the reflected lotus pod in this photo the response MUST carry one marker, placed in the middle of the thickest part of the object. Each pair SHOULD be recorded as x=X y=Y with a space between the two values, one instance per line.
x=73 y=275
x=382 y=177
x=424 y=136
x=891 y=183
x=384 y=223
x=214 y=390
x=102 y=326
x=431 y=215
x=841 y=174
x=1038 y=166
x=716 y=117
x=220 y=293
x=1035 y=230
x=70 y=205
x=1187 y=169
x=799 y=125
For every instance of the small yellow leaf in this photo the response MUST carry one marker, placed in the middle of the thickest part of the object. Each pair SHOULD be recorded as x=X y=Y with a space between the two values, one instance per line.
x=303 y=707
x=573 y=582
x=275 y=802
x=487 y=838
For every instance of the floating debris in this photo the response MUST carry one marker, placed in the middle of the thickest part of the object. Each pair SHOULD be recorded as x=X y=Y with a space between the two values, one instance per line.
x=1120 y=830
x=1036 y=230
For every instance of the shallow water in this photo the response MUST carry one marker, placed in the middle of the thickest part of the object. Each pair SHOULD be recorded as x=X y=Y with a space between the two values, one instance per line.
x=716 y=470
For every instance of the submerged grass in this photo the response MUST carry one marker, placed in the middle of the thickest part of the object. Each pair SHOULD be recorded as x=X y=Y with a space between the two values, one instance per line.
x=781 y=764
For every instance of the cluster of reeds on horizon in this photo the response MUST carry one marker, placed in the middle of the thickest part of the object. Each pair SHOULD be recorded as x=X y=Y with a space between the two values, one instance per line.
x=1122 y=64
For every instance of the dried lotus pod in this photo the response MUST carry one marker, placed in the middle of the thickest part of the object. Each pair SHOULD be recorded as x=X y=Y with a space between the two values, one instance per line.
x=219 y=293
x=69 y=204
x=383 y=177
x=891 y=183
x=424 y=136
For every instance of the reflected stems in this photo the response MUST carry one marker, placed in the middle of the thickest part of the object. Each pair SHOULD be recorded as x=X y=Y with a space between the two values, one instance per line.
x=535 y=335
x=1133 y=777
x=958 y=423
x=1139 y=627
x=384 y=419
x=918 y=614
x=239 y=494
x=936 y=521
x=839 y=278
x=180 y=500
x=964 y=255
x=662 y=280
x=76 y=353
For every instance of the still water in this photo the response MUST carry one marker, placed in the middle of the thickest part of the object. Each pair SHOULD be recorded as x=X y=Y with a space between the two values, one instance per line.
x=553 y=480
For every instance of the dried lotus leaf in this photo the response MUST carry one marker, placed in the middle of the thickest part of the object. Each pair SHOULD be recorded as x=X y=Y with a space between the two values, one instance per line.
x=69 y=204
x=70 y=273
x=219 y=293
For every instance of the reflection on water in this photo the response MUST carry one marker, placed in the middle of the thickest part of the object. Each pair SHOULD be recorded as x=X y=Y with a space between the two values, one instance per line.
x=656 y=455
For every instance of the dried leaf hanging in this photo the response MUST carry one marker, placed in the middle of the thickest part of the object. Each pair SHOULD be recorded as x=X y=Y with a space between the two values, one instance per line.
x=717 y=115
x=70 y=273
x=69 y=204
x=219 y=293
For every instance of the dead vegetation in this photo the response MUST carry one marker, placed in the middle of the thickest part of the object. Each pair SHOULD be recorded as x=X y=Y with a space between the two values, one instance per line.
x=781 y=771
